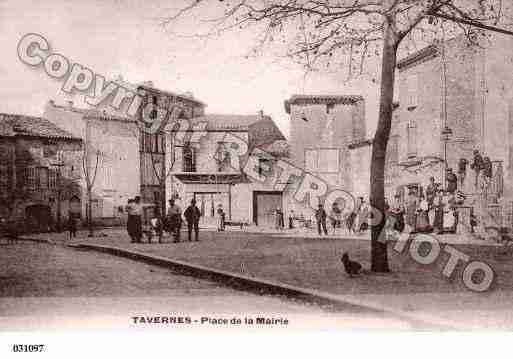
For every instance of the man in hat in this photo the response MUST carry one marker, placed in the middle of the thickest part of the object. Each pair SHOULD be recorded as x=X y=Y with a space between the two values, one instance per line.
x=320 y=217
x=192 y=215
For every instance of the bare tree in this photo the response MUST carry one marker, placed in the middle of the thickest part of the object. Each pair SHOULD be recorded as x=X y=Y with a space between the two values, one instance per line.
x=161 y=174
x=323 y=34
x=90 y=162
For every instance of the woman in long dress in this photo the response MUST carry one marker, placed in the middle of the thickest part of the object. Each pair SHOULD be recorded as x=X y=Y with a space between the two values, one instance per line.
x=411 y=210
x=449 y=222
x=422 y=223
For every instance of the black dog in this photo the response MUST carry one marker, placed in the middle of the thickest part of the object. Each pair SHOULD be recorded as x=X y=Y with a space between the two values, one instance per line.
x=352 y=268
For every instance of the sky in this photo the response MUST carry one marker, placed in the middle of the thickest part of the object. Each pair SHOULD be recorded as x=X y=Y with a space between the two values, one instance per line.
x=125 y=37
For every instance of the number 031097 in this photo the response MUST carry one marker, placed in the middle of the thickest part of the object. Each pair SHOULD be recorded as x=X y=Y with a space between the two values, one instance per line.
x=30 y=348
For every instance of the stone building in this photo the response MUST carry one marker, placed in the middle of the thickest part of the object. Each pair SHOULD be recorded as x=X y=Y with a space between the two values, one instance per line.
x=131 y=160
x=155 y=169
x=328 y=140
x=453 y=98
x=39 y=172
x=203 y=167
x=111 y=143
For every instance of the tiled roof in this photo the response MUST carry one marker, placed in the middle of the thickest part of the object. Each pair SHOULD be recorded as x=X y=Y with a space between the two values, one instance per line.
x=264 y=132
x=100 y=114
x=170 y=93
x=228 y=122
x=222 y=178
x=22 y=125
x=321 y=99
x=420 y=55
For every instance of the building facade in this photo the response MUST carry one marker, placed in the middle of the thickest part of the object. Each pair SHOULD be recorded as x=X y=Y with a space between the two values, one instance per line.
x=155 y=165
x=207 y=169
x=453 y=98
x=111 y=143
x=327 y=139
x=40 y=173
x=124 y=157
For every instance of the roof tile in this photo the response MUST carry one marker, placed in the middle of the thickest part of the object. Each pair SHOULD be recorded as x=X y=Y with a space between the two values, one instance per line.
x=23 y=125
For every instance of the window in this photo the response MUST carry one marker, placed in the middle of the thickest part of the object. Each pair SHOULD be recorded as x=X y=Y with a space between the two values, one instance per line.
x=52 y=179
x=42 y=178
x=189 y=158
x=311 y=160
x=4 y=178
x=393 y=150
x=411 y=135
x=322 y=160
x=264 y=166
x=412 y=88
x=223 y=158
x=49 y=150
x=30 y=178
x=330 y=107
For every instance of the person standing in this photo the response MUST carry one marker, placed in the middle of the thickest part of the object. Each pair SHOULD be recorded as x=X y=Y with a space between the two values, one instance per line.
x=291 y=219
x=411 y=209
x=487 y=170
x=335 y=216
x=452 y=181
x=462 y=172
x=72 y=226
x=156 y=224
x=320 y=217
x=397 y=214
x=431 y=191
x=192 y=215
x=422 y=224
x=438 y=220
x=363 y=215
x=220 y=218
x=477 y=165
x=137 y=211
x=174 y=215
x=130 y=220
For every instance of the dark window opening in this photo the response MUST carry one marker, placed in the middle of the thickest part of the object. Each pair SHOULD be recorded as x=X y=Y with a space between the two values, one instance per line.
x=189 y=158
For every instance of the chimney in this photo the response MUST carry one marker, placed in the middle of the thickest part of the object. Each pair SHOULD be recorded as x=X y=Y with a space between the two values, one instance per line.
x=261 y=114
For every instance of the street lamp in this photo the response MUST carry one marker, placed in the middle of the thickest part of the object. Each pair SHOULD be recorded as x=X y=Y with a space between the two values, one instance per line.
x=446 y=136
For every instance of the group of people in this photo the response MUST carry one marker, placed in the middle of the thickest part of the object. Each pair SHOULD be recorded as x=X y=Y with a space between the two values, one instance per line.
x=434 y=210
x=355 y=222
x=171 y=223
x=483 y=172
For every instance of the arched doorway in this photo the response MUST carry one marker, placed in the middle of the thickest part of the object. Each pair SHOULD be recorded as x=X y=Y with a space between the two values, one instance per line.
x=38 y=217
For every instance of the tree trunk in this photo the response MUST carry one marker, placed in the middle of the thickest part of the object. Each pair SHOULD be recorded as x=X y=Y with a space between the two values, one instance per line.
x=163 y=199
x=379 y=258
x=90 y=211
